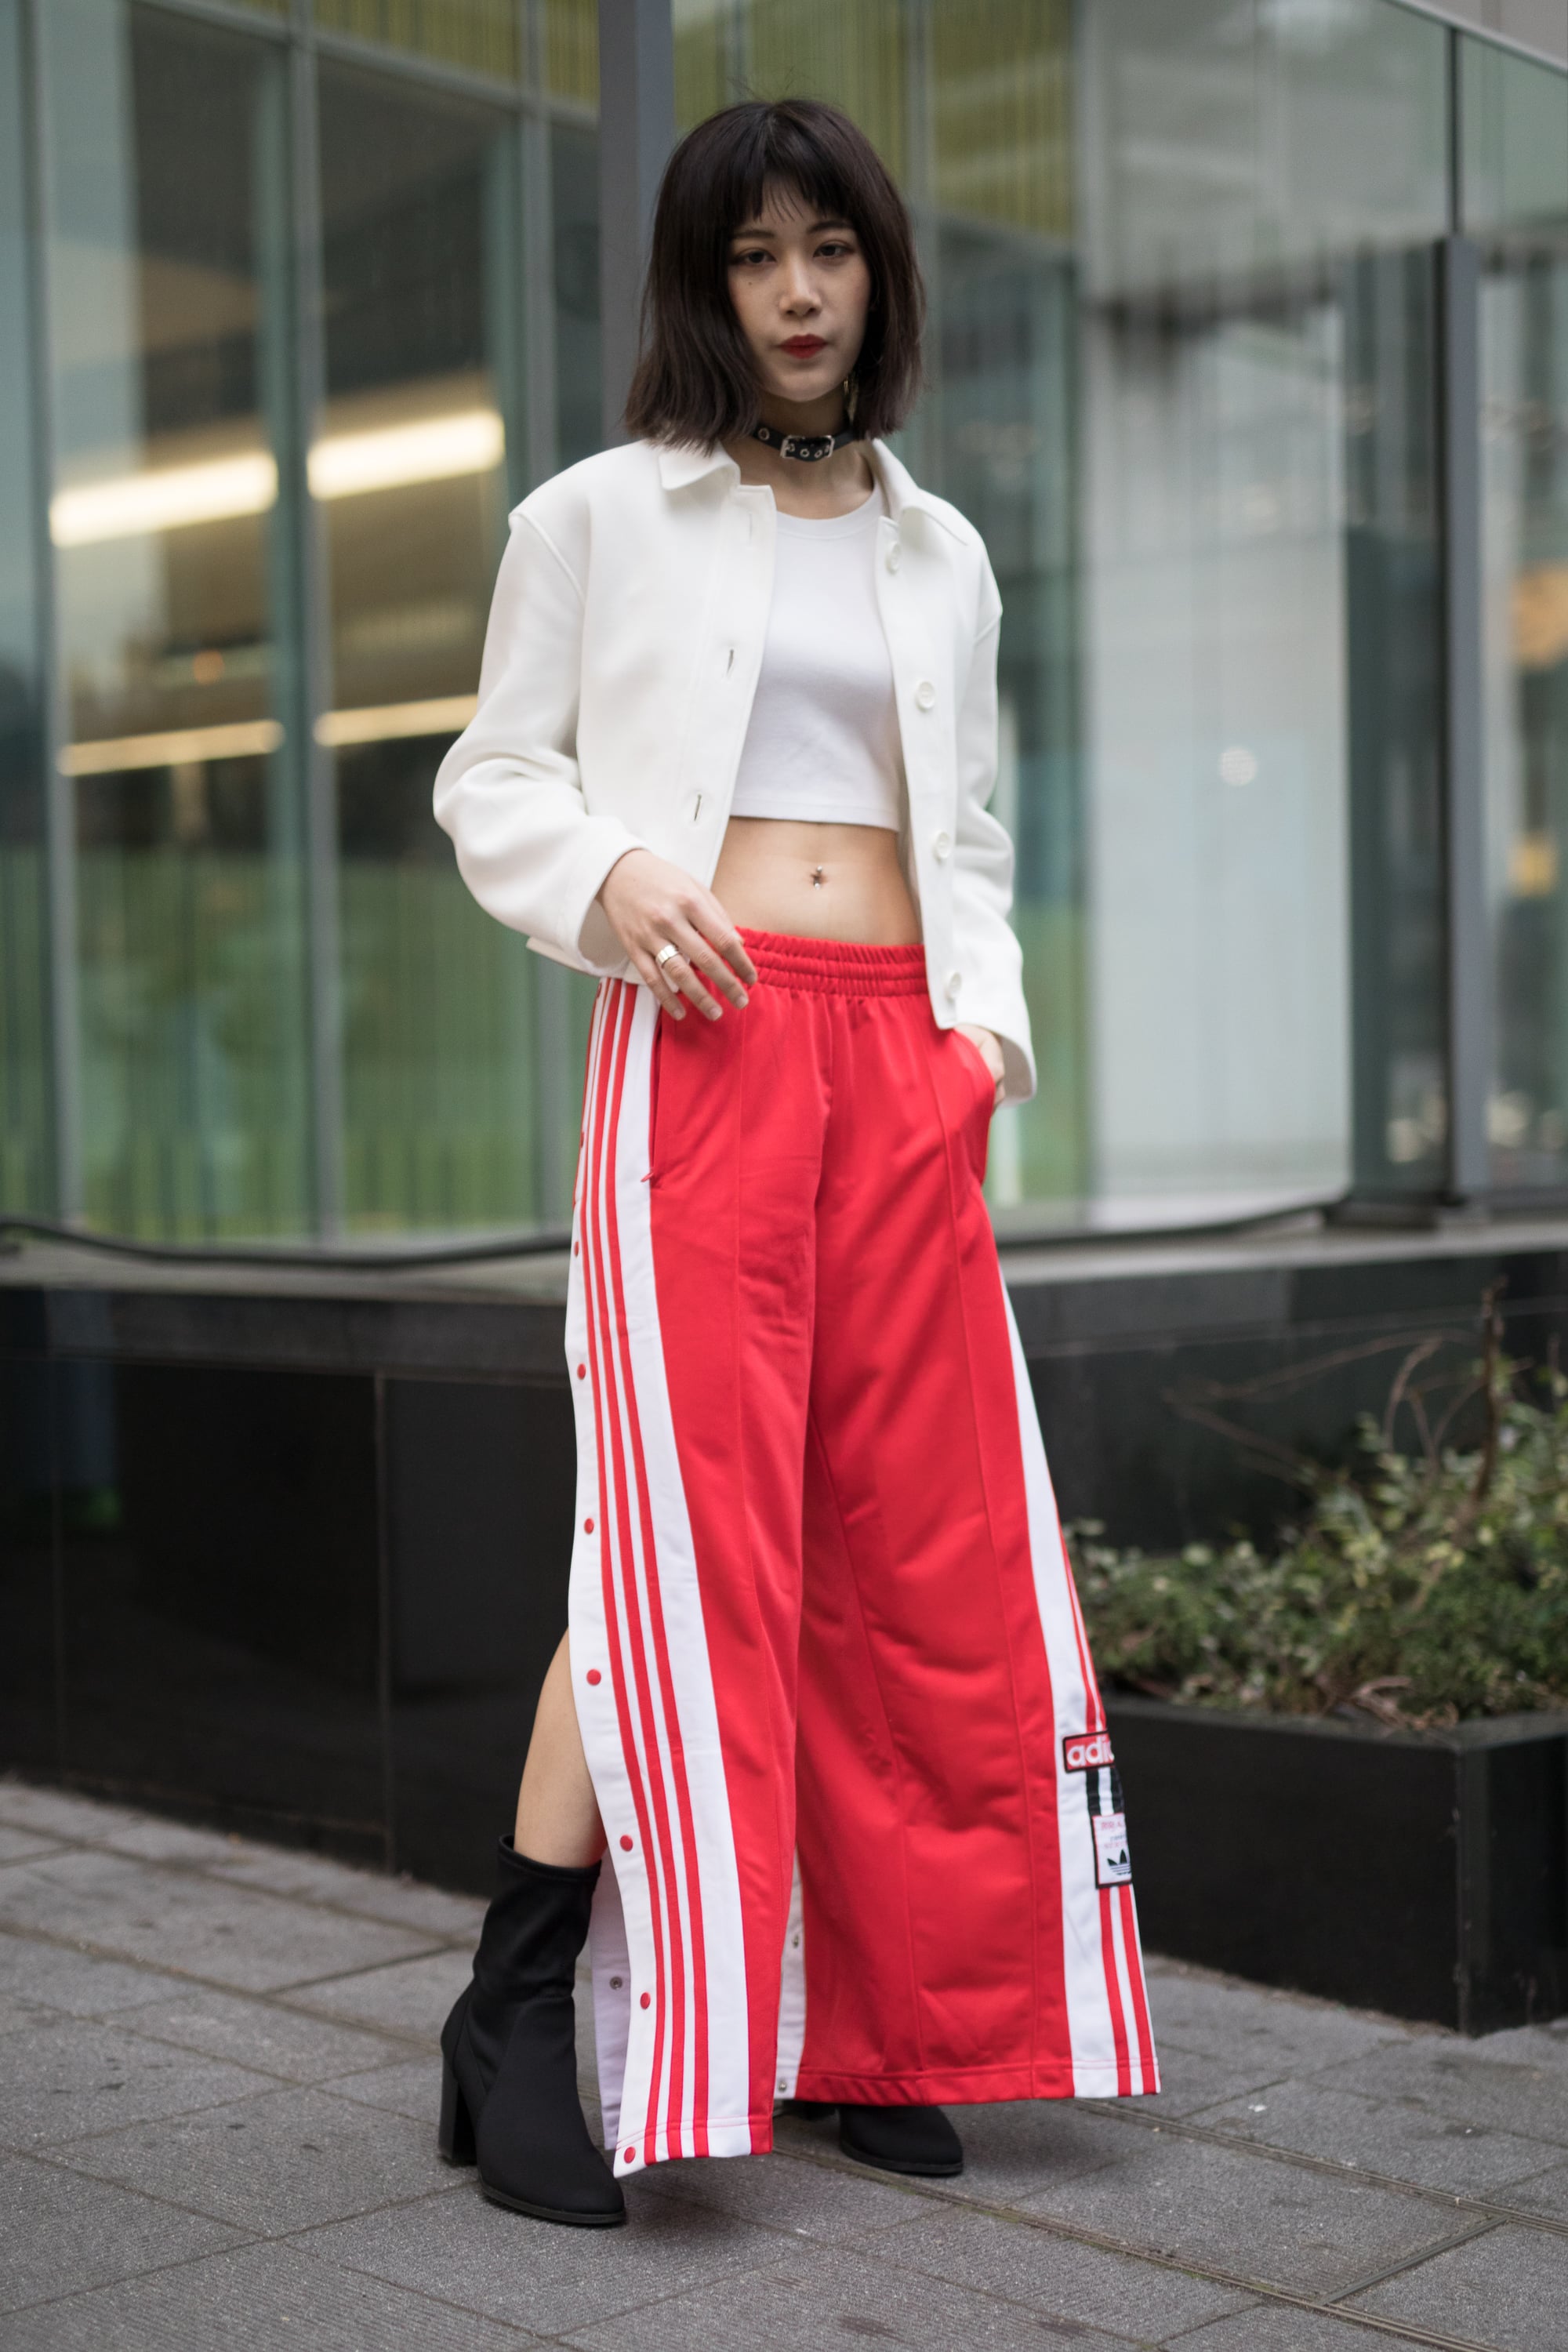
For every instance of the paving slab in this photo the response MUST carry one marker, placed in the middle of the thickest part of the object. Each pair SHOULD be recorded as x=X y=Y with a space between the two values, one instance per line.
x=1009 y=2151
x=283 y=2161
x=259 y=2033
x=151 y=1838
x=533 y=2274
x=1276 y=2328
x=1442 y=2075
x=1262 y=2218
x=788 y=2194
x=373 y=1894
x=410 y=2086
x=65 y=2079
x=55 y=1813
x=255 y=2300
x=23 y=1845
x=194 y=1926
x=410 y=1998
x=1192 y=2080
x=1525 y=2046
x=74 y=1983
x=1144 y=2301
x=1385 y=2135
x=1243 y=2025
x=1509 y=2288
x=1545 y=2194
x=820 y=2301
x=63 y=2234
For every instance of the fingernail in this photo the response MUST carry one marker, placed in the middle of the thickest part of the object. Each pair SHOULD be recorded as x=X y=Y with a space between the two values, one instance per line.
x=716 y=1012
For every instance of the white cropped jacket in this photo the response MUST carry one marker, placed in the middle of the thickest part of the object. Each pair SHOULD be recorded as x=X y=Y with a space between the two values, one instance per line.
x=624 y=644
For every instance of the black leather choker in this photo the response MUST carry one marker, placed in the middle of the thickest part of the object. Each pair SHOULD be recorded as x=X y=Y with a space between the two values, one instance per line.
x=807 y=446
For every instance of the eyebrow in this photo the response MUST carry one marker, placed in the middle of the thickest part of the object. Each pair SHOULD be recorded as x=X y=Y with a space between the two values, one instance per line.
x=814 y=228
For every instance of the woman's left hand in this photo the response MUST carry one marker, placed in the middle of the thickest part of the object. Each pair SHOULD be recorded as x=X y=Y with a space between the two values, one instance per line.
x=988 y=1046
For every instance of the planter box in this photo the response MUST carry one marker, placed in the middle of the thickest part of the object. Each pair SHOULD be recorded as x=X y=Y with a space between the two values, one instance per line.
x=1424 y=1874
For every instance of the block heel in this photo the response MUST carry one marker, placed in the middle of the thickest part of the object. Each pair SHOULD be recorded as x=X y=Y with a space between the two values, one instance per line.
x=455 y=2132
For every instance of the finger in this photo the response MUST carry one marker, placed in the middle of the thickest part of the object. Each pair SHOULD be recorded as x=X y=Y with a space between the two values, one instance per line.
x=706 y=959
x=720 y=931
x=654 y=979
x=681 y=973
x=688 y=980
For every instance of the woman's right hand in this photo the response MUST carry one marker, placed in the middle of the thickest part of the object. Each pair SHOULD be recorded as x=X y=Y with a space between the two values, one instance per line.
x=652 y=904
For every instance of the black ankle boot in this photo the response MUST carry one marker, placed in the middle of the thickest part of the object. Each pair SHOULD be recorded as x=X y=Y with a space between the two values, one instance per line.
x=508 y=2053
x=902 y=2139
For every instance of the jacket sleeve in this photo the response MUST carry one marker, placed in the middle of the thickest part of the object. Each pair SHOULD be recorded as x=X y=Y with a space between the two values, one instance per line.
x=508 y=792
x=988 y=949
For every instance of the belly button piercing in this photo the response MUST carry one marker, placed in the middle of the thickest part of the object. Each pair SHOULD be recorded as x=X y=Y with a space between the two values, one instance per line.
x=817 y=877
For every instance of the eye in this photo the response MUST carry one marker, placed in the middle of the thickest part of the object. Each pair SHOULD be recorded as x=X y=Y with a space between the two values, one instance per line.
x=835 y=248
x=744 y=258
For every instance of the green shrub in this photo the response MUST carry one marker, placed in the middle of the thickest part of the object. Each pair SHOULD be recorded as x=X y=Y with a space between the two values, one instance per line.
x=1421 y=1589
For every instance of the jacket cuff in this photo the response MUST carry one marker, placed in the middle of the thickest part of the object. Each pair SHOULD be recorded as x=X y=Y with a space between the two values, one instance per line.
x=585 y=928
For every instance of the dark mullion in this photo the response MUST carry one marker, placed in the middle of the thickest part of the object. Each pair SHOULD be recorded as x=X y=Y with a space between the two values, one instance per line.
x=637 y=132
x=1467 y=962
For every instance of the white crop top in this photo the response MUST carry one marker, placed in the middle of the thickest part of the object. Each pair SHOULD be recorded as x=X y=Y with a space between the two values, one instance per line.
x=823 y=744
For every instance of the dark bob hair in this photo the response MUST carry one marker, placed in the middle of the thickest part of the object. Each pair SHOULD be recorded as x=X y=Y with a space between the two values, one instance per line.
x=694 y=380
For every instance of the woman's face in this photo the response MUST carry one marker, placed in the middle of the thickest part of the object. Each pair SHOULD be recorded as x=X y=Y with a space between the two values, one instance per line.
x=801 y=288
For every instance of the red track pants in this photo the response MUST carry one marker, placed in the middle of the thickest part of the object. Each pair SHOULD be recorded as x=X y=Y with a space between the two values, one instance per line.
x=833 y=1686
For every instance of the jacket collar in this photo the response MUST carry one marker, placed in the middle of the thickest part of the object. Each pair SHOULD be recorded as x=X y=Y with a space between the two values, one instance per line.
x=680 y=468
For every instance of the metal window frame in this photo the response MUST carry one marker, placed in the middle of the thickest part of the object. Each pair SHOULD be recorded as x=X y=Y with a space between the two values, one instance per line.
x=58 y=789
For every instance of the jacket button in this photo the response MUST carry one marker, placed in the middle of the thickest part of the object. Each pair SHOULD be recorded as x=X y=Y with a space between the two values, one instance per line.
x=941 y=843
x=594 y=1676
x=895 y=556
x=644 y=1999
x=626 y=1845
x=955 y=983
x=925 y=695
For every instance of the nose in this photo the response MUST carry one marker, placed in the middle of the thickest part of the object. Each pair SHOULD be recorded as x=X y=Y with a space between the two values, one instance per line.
x=798 y=293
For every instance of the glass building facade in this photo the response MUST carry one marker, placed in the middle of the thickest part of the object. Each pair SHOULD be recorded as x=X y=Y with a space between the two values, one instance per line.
x=297 y=299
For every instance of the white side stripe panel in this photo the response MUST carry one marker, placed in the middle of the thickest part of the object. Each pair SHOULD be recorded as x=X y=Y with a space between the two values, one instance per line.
x=1084 y=1957
x=792 y=1994
x=681 y=1908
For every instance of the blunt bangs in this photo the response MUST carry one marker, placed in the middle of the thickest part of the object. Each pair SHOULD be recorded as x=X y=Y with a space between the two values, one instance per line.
x=694 y=382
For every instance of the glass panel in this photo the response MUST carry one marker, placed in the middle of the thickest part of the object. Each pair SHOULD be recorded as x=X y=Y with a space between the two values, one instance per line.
x=420 y=270
x=1242 y=169
x=26 y=1179
x=575 y=204
x=480 y=35
x=570 y=49
x=167 y=145
x=1515 y=117
x=1152 y=230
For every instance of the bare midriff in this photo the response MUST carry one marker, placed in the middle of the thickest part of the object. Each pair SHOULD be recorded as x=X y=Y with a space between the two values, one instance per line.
x=816 y=881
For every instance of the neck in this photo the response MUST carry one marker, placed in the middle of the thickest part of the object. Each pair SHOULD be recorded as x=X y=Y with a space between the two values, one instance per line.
x=848 y=469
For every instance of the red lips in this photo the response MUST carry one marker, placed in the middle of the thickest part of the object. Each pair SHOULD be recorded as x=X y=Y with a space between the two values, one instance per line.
x=804 y=347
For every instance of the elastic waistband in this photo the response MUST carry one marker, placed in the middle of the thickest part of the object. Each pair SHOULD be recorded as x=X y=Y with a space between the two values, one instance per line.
x=835 y=967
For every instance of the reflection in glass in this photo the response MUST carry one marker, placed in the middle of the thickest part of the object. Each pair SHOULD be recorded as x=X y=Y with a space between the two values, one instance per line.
x=420 y=273
x=167 y=144
x=479 y=35
x=570 y=49
x=1516 y=202
x=26 y=1173
x=1143 y=224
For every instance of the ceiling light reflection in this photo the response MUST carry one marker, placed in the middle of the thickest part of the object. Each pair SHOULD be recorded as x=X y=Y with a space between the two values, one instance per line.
x=218 y=489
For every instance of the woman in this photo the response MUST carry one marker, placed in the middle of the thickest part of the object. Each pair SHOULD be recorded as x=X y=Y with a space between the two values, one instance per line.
x=826 y=1694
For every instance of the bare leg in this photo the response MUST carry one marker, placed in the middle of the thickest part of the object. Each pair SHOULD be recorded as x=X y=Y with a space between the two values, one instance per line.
x=557 y=1814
